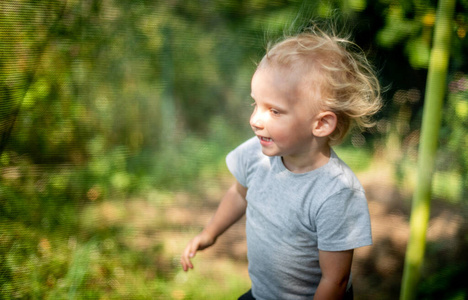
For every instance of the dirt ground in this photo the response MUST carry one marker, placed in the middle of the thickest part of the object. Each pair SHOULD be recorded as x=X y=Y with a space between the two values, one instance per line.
x=377 y=269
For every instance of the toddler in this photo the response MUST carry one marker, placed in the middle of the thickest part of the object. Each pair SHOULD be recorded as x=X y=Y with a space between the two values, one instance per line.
x=305 y=209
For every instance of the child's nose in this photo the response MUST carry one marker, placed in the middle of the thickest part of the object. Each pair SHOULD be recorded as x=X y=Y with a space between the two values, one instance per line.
x=256 y=121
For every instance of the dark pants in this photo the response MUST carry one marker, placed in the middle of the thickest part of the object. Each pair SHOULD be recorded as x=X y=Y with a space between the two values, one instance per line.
x=247 y=296
x=348 y=296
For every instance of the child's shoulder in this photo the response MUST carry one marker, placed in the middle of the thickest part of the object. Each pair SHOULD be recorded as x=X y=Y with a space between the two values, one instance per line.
x=250 y=148
x=246 y=153
x=251 y=144
x=343 y=174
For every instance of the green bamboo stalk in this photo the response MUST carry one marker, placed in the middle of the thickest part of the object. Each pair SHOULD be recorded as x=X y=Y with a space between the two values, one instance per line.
x=432 y=114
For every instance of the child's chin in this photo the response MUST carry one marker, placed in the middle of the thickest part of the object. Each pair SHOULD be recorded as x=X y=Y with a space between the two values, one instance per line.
x=269 y=153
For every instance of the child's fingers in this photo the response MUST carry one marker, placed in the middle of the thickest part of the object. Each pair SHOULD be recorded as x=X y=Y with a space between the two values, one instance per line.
x=186 y=264
x=189 y=253
x=185 y=260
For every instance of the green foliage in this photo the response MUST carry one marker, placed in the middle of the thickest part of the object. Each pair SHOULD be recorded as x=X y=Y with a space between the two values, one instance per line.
x=358 y=159
x=105 y=100
x=445 y=284
x=454 y=141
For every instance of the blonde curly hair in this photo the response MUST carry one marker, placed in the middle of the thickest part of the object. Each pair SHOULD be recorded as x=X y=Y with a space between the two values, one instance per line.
x=336 y=70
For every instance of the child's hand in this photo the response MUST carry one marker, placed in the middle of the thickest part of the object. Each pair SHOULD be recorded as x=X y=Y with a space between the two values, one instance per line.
x=230 y=210
x=200 y=242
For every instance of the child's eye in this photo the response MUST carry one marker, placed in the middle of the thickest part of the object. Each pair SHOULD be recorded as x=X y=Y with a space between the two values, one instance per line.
x=274 y=111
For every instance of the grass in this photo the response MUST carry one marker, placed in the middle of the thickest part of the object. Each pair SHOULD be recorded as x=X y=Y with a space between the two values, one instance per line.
x=121 y=249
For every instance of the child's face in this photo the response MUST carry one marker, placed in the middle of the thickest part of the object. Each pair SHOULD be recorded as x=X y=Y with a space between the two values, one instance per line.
x=281 y=119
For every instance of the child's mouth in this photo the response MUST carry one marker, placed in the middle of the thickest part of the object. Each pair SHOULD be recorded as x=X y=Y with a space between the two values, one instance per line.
x=265 y=139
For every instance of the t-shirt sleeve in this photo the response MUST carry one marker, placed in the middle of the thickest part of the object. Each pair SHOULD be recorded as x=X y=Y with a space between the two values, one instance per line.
x=343 y=221
x=235 y=166
x=237 y=160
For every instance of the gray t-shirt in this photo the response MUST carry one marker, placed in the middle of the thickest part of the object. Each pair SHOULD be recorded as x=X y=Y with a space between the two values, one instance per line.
x=291 y=216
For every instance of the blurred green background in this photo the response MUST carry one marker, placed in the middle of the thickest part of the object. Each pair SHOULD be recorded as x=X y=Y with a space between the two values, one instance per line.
x=116 y=116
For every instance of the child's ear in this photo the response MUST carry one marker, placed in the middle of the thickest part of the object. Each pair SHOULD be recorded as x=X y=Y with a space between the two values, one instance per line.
x=324 y=124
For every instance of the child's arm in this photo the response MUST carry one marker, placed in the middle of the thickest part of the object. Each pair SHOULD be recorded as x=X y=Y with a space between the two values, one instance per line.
x=230 y=210
x=336 y=267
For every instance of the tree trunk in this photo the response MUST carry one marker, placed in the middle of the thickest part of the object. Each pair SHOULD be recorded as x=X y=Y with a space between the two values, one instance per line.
x=432 y=113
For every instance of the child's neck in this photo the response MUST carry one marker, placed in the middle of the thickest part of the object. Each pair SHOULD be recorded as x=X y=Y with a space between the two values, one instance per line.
x=314 y=159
